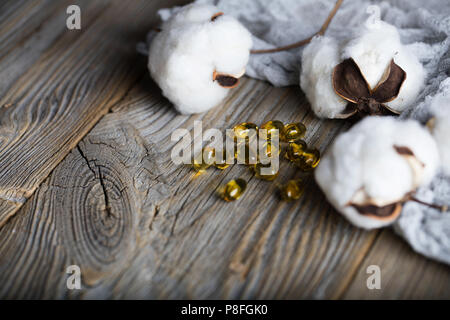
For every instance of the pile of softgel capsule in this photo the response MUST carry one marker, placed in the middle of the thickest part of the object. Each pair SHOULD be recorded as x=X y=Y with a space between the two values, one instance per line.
x=244 y=136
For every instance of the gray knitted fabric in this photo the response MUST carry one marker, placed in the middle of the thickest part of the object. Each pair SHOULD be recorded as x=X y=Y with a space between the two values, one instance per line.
x=423 y=25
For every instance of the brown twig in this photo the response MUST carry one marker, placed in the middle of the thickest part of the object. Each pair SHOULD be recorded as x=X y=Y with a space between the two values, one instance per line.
x=307 y=40
x=431 y=205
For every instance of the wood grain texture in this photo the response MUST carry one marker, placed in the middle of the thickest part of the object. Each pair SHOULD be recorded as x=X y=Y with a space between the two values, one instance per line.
x=58 y=100
x=29 y=28
x=141 y=227
x=404 y=273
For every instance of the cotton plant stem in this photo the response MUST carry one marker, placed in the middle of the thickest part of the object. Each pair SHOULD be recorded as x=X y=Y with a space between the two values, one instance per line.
x=431 y=205
x=307 y=40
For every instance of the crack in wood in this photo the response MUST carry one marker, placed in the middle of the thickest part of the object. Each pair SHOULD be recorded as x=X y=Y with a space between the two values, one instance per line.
x=100 y=178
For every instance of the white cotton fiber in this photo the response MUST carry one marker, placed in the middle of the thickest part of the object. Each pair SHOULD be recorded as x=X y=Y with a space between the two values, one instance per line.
x=373 y=47
x=318 y=61
x=365 y=159
x=190 y=47
x=373 y=50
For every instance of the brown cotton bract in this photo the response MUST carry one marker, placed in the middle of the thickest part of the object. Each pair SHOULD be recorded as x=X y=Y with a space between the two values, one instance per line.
x=225 y=80
x=349 y=83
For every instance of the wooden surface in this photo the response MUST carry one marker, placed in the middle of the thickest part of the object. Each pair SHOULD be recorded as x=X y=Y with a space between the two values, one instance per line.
x=86 y=179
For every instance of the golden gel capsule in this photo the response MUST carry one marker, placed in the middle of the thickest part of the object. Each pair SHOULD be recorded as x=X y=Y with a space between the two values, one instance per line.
x=245 y=130
x=269 y=176
x=294 y=131
x=222 y=165
x=233 y=190
x=309 y=159
x=208 y=155
x=295 y=150
x=200 y=166
x=275 y=128
x=244 y=154
x=270 y=150
x=292 y=190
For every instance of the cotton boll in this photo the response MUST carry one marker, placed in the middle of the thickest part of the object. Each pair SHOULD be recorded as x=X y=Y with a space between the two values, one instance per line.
x=373 y=50
x=414 y=81
x=190 y=53
x=441 y=129
x=374 y=180
x=378 y=162
x=318 y=61
x=230 y=53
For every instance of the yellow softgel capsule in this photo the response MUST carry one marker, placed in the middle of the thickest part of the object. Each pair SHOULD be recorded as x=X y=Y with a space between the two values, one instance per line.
x=270 y=150
x=233 y=190
x=208 y=155
x=292 y=190
x=244 y=154
x=269 y=174
x=295 y=150
x=200 y=166
x=245 y=130
x=222 y=165
x=308 y=160
x=275 y=128
x=294 y=131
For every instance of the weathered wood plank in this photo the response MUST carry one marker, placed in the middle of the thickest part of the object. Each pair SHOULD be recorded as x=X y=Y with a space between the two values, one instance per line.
x=404 y=273
x=141 y=227
x=30 y=245
x=53 y=105
x=28 y=28
x=95 y=227
x=20 y=19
